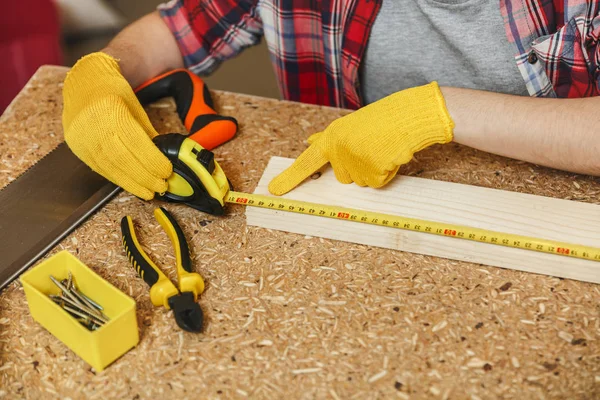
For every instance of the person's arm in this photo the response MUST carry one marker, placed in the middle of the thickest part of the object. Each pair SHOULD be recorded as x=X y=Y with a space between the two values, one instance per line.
x=557 y=133
x=103 y=121
x=145 y=49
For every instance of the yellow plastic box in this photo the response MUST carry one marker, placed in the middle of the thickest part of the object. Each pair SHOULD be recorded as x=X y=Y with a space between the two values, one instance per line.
x=98 y=348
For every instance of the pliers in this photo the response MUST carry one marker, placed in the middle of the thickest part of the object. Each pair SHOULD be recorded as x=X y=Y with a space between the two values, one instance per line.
x=163 y=292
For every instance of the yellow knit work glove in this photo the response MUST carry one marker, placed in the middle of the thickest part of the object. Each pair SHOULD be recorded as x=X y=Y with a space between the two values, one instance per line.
x=107 y=128
x=369 y=145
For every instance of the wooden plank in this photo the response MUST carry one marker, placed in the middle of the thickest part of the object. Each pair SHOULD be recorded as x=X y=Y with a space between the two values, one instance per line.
x=492 y=209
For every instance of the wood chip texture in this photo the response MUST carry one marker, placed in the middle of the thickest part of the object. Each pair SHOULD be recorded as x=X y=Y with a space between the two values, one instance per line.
x=289 y=316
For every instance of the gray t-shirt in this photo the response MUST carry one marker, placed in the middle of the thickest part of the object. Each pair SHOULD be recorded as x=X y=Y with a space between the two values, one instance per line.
x=459 y=43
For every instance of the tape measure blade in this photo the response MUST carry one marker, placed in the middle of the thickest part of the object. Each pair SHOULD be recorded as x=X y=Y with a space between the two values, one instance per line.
x=431 y=227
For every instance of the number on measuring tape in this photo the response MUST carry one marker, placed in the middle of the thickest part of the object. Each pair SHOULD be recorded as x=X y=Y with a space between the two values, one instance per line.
x=463 y=232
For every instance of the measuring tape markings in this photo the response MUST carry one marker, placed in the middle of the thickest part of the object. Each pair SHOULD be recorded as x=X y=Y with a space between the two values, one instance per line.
x=416 y=225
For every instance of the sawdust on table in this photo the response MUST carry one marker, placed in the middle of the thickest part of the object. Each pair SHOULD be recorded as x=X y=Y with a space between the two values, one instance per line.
x=290 y=316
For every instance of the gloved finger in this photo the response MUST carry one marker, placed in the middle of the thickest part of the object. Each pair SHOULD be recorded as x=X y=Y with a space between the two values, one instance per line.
x=341 y=174
x=129 y=185
x=305 y=165
x=81 y=148
x=359 y=177
x=101 y=155
x=312 y=138
x=137 y=142
x=359 y=181
x=128 y=164
x=138 y=112
x=381 y=178
x=122 y=180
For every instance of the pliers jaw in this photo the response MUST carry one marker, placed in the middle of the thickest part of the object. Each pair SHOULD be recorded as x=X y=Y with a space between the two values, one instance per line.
x=182 y=301
x=188 y=313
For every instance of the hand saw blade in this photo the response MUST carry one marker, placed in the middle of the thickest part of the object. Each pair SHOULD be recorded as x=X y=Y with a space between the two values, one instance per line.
x=45 y=204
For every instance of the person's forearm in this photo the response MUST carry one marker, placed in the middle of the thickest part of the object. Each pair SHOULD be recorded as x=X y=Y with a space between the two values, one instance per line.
x=145 y=49
x=557 y=133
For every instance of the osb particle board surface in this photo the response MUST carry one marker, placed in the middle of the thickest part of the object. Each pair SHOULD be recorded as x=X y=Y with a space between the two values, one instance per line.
x=300 y=317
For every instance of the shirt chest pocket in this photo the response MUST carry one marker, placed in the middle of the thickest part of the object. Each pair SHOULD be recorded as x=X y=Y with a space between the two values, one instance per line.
x=569 y=57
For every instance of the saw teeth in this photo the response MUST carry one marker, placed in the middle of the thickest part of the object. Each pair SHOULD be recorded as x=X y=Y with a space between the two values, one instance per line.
x=33 y=165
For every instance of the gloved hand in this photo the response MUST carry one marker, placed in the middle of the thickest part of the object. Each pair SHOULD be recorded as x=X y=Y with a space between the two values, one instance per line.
x=369 y=145
x=107 y=128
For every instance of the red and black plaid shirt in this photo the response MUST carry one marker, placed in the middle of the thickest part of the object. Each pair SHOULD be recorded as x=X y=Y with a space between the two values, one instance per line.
x=316 y=46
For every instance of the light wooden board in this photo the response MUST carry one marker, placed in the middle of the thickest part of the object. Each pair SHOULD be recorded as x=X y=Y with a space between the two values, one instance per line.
x=497 y=210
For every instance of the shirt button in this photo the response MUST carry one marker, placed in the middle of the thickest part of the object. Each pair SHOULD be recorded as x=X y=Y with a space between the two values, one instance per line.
x=532 y=57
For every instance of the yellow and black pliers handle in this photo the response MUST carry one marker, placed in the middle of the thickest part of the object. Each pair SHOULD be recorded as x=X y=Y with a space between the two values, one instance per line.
x=188 y=313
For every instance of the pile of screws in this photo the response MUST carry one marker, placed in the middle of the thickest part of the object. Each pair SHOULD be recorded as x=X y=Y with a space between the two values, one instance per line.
x=84 y=309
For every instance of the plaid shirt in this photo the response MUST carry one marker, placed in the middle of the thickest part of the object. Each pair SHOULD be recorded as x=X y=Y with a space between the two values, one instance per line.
x=316 y=46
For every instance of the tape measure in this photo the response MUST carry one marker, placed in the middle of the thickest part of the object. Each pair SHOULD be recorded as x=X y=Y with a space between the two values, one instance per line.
x=417 y=225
